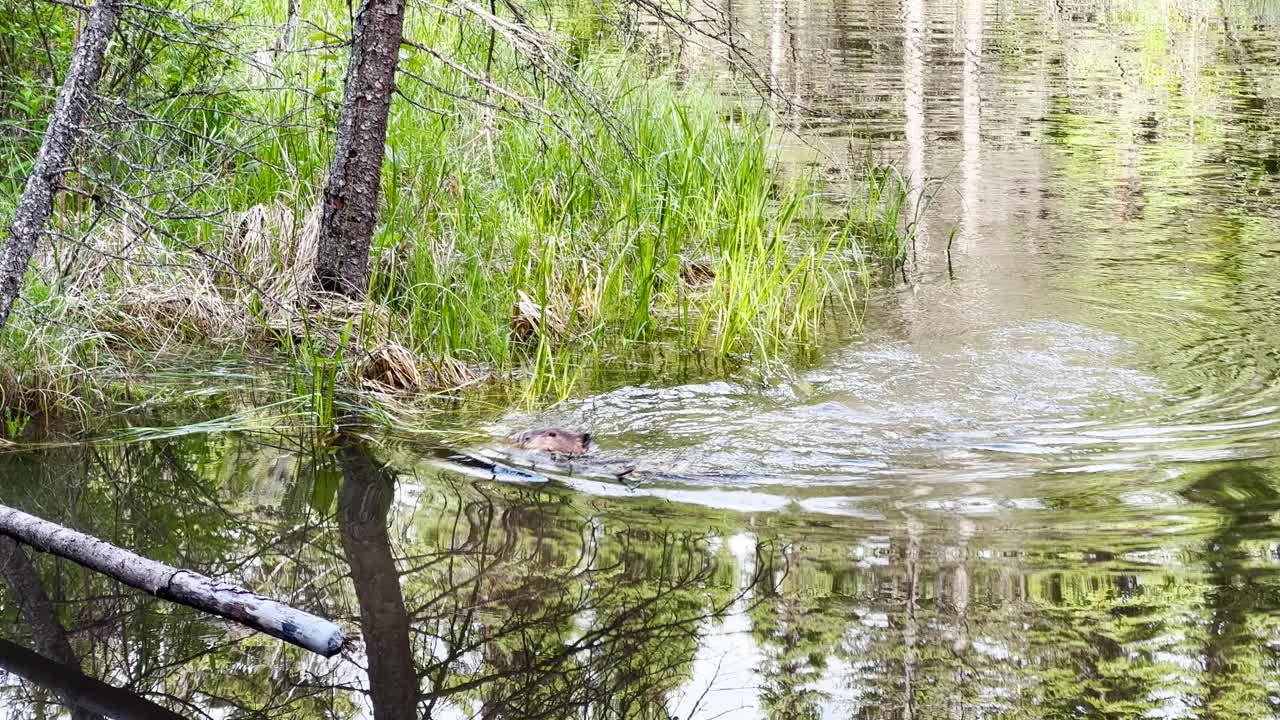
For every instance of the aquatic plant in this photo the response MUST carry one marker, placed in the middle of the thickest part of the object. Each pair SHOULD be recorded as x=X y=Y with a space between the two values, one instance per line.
x=882 y=214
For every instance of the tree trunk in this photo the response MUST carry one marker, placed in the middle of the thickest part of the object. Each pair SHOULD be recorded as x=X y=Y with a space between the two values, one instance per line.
x=181 y=586
x=36 y=204
x=351 y=198
x=47 y=633
x=365 y=500
x=290 y=29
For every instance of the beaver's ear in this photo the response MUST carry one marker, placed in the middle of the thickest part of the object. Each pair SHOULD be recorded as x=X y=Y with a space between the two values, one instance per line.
x=586 y=439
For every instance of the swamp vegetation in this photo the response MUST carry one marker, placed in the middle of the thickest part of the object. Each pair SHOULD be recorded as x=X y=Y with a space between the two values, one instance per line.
x=928 y=346
x=550 y=197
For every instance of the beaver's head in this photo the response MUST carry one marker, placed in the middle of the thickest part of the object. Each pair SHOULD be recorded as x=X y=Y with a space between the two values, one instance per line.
x=555 y=440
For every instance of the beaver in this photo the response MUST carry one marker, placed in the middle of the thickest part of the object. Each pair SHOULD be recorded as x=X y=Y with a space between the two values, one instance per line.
x=558 y=441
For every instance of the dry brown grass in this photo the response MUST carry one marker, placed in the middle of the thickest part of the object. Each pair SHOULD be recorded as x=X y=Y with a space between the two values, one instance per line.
x=130 y=296
x=390 y=369
x=395 y=370
x=529 y=319
x=450 y=374
x=128 y=284
x=697 y=274
x=275 y=253
x=158 y=316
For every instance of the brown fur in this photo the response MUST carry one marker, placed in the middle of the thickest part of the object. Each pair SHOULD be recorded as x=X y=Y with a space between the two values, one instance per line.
x=555 y=440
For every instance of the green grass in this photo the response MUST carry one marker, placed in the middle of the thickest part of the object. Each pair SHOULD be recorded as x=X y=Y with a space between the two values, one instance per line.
x=637 y=209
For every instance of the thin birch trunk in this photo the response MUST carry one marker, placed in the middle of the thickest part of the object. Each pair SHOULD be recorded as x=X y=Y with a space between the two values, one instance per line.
x=290 y=27
x=35 y=207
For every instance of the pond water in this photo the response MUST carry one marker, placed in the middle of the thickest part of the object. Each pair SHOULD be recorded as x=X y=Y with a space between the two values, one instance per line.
x=1041 y=483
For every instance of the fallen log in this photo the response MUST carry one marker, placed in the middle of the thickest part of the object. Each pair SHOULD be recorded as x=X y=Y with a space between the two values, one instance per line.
x=184 y=587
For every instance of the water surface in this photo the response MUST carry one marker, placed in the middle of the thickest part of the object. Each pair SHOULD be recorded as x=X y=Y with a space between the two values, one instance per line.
x=1041 y=483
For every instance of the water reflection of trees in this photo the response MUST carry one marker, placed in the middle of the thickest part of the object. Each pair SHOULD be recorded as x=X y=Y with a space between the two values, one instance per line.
x=181 y=501
x=519 y=609
x=471 y=599
x=1238 y=661
x=944 y=619
x=489 y=600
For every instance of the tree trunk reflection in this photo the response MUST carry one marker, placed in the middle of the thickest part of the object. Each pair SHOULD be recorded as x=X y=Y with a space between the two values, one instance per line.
x=363 y=505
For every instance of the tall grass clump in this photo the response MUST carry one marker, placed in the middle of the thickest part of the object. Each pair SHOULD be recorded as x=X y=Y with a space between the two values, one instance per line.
x=882 y=215
x=669 y=225
x=53 y=368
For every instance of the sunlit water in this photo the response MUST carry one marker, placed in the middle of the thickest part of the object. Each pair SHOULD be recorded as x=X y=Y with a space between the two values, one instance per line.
x=1041 y=483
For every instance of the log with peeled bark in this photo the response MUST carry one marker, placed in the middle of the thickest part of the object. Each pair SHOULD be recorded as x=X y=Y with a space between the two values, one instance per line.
x=184 y=587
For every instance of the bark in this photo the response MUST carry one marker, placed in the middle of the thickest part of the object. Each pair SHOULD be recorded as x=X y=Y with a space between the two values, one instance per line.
x=36 y=204
x=365 y=500
x=290 y=27
x=47 y=633
x=85 y=692
x=351 y=199
x=184 y=587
